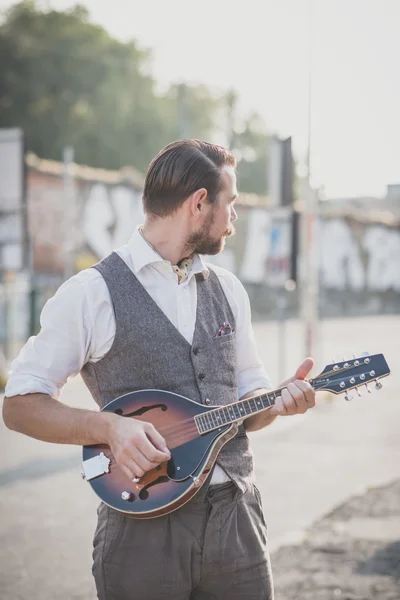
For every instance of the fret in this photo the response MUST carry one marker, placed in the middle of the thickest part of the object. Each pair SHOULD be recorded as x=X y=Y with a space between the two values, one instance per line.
x=218 y=417
x=211 y=417
x=208 y=421
x=199 y=423
x=202 y=424
x=260 y=402
x=234 y=412
x=267 y=401
x=205 y=426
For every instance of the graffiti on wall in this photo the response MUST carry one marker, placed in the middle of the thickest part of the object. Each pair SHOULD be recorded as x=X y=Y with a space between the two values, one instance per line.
x=352 y=254
x=110 y=215
x=359 y=257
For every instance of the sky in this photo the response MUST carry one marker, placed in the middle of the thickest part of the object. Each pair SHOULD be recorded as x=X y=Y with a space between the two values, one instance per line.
x=261 y=49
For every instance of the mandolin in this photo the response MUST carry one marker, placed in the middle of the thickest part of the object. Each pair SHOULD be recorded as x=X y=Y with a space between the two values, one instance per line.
x=195 y=434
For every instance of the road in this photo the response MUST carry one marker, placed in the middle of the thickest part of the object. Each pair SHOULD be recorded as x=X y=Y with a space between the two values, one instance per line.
x=305 y=465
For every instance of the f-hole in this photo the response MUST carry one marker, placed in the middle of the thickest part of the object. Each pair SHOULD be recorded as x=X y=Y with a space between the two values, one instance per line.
x=140 y=411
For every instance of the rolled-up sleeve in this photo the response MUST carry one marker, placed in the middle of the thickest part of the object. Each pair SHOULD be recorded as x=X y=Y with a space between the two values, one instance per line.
x=59 y=350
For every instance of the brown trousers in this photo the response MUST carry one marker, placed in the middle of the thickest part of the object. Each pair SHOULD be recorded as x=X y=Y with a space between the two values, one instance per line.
x=212 y=548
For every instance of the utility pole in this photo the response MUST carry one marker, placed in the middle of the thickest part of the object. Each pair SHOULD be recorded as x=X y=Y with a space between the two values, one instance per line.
x=309 y=279
x=182 y=112
x=69 y=223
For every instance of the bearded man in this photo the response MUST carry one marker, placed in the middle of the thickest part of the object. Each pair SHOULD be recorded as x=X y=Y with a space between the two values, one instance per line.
x=153 y=314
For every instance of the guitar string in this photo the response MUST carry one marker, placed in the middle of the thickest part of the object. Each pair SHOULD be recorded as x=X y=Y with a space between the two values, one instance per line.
x=315 y=386
x=180 y=428
x=175 y=431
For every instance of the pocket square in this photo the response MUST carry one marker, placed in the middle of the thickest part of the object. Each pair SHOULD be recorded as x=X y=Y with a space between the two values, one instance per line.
x=225 y=329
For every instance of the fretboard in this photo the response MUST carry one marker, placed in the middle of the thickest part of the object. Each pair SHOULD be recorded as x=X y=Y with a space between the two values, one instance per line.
x=223 y=415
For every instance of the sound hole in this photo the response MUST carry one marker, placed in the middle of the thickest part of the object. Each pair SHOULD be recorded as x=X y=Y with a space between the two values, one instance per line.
x=141 y=411
x=144 y=494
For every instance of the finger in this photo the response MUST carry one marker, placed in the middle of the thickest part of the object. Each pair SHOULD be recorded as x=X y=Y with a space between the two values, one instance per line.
x=299 y=398
x=278 y=407
x=301 y=373
x=288 y=402
x=131 y=469
x=308 y=391
x=304 y=369
x=144 y=462
x=296 y=393
x=156 y=439
x=150 y=451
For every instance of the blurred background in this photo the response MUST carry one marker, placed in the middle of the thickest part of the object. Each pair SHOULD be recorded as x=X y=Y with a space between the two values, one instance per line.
x=306 y=93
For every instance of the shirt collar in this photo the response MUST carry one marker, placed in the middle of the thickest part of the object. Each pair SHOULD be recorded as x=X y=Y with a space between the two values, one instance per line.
x=142 y=255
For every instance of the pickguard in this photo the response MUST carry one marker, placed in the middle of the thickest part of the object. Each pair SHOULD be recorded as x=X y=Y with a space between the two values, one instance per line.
x=186 y=458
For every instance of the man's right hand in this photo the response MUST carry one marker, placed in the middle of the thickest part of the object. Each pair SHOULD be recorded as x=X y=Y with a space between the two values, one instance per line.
x=136 y=445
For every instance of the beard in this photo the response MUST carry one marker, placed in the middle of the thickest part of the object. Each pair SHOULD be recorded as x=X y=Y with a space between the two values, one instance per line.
x=203 y=242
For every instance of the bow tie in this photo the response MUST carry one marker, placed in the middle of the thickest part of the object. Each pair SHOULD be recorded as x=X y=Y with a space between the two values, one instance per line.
x=182 y=269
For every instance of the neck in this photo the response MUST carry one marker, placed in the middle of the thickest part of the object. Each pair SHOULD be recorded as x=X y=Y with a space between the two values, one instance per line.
x=168 y=238
x=236 y=412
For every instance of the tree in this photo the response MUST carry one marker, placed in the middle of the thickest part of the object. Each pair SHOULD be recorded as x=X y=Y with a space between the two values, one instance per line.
x=66 y=81
x=248 y=139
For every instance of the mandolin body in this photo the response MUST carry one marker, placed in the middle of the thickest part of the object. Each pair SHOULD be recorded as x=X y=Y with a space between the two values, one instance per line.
x=172 y=484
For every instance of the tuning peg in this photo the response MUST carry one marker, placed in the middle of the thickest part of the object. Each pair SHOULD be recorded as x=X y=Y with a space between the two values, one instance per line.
x=358 y=391
x=348 y=397
x=368 y=390
x=364 y=354
x=378 y=385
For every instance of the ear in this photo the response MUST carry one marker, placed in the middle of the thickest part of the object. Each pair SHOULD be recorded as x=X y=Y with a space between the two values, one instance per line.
x=198 y=202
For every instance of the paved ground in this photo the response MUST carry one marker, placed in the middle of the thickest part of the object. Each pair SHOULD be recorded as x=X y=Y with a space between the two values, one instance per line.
x=353 y=553
x=306 y=466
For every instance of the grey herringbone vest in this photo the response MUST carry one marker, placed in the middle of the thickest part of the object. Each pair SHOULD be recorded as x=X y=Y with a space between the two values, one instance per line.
x=149 y=352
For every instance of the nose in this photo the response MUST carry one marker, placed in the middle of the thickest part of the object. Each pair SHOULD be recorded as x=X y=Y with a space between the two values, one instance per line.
x=233 y=215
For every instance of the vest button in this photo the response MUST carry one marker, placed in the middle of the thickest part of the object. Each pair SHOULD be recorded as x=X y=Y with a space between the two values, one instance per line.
x=207 y=401
x=201 y=376
x=195 y=350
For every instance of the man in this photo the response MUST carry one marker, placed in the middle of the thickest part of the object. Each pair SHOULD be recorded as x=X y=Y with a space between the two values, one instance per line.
x=148 y=317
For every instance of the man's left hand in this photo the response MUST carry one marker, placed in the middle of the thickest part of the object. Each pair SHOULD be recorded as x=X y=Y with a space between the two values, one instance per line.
x=298 y=395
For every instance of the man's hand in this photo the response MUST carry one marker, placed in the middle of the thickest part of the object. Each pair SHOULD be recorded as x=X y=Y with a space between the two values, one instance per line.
x=136 y=445
x=298 y=395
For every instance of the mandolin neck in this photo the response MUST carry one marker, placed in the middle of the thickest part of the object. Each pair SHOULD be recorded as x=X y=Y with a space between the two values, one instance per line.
x=231 y=413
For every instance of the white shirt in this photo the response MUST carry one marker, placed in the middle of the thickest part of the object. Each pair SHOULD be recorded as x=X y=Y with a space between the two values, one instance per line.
x=78 y=323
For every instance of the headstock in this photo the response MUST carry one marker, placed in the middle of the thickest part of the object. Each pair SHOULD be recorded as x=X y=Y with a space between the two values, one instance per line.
x=342 y=376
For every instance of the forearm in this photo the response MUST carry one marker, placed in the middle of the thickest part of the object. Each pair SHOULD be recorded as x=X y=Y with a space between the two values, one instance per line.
x=261 y=419
x=41 y=417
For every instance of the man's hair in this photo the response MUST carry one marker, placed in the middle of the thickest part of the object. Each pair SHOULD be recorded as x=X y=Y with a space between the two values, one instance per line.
x=180 y=169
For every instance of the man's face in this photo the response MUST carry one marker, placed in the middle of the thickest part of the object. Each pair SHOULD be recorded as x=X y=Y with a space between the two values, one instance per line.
x=217 y=225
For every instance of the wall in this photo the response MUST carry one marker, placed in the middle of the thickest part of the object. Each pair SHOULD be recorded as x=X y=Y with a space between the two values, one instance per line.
x=359 y=261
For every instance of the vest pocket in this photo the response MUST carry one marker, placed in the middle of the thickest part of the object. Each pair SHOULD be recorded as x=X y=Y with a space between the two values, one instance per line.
x=221 y=339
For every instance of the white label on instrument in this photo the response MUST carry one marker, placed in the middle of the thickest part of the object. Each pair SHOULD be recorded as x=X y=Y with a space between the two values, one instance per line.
x=96 y=466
